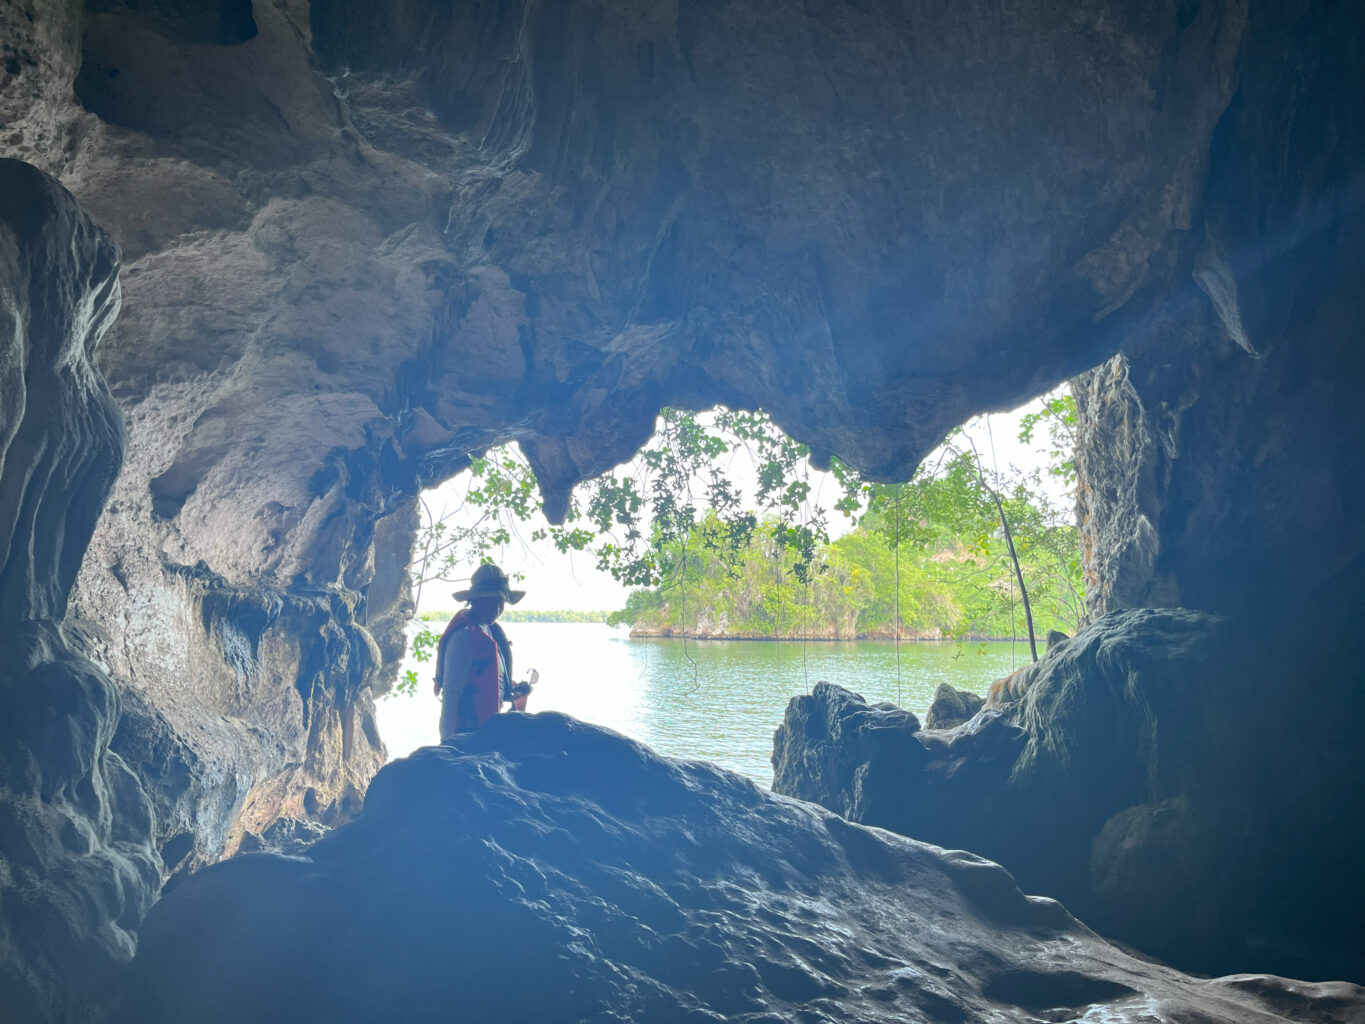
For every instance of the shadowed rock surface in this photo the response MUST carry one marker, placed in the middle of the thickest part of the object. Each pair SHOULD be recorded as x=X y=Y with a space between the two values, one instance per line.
x=78 y=867
x=546 y=870
x=1142 y=774
x=1221 y=454
x=951 y=707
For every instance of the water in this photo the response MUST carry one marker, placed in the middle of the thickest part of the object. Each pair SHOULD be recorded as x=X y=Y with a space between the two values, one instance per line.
x=719 y=700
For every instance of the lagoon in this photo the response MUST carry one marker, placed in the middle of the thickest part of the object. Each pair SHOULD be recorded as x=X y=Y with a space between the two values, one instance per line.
x=717 y=700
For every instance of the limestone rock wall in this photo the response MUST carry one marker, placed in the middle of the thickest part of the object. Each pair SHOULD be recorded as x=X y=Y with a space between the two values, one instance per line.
x=78 y=865
x=1149 y=773
x=1222 y=463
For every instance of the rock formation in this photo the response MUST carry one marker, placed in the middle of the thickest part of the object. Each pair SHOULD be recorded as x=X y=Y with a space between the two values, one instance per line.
x=1221 y=459
x=951 y=707
x=1121 y=779
x=78 y=867
x=545 y=870
x=362 y=240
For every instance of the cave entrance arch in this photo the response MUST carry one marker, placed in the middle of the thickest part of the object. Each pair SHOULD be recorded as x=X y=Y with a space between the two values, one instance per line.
x=678 y=677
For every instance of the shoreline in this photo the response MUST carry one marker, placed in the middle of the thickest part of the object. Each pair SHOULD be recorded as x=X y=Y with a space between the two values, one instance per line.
x=752 y=638
x=822 y=638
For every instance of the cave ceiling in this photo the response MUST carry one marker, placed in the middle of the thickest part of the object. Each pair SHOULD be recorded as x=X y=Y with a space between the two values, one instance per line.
x=417 y=230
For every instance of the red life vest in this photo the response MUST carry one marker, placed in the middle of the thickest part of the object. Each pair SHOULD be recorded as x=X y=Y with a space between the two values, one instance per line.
x=481 y=698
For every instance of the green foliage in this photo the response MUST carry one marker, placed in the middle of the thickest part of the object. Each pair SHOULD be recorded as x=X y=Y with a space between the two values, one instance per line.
x=639 y=604
x=949 y=587
x=1059 y=415
x=941 y=555
x=999 y=520
x=635 y=521
x=423 y=648
x=674 y=525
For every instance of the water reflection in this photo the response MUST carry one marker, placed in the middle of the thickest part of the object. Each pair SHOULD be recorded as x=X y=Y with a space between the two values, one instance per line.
x=715 y=700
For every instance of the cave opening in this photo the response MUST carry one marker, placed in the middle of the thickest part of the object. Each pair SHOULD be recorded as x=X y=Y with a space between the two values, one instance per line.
x=268 y=270
x=649 y=597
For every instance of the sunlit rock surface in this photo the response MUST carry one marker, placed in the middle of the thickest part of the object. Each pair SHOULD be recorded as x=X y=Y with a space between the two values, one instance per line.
x=546 y=870
x=1145 y=773
x=78 y=866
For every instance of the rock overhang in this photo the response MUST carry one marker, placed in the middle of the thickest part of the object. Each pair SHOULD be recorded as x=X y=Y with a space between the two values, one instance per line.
x=361 y=243
x=597 y=210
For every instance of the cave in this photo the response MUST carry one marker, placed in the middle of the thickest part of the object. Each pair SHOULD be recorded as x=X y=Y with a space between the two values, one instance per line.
x=270 y=269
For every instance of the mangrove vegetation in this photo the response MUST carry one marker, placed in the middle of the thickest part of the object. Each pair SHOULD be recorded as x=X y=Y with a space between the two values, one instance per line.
x=962 y=550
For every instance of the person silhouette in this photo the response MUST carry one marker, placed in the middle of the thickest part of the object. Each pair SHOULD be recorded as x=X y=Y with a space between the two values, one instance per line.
x=474 y=657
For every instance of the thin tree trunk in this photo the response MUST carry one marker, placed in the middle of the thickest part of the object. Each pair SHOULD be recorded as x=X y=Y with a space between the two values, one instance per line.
x=1018 y=574
x=1009 y=543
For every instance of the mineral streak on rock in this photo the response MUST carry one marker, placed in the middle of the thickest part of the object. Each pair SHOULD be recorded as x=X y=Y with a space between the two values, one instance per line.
x=1143 y=773
x=547 y=870
x=78 y=867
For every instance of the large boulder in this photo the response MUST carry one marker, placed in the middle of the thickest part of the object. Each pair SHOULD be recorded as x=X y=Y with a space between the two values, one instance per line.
x=546 y=870
x=838 y=736
x=1143 y=774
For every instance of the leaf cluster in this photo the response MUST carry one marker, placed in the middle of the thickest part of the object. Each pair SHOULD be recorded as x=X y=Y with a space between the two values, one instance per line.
x=676 y=516
x=636 y=521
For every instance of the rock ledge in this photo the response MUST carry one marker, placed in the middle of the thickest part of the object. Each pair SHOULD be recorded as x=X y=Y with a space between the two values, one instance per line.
x=549 y=870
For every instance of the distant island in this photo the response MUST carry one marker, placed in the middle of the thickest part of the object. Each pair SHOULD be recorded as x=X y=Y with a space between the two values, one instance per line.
x=524 y=615
x=818 y=633
x=946 y=585
x=564 y=615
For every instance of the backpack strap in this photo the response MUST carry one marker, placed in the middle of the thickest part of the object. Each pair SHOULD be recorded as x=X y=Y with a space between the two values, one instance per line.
x=457 y=622
x=505 y=649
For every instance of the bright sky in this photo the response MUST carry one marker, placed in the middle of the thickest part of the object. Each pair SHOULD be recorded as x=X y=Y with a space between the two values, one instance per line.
x=553 y=581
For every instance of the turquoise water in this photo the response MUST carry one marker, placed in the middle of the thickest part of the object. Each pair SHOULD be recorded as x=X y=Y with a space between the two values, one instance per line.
x=719 y=700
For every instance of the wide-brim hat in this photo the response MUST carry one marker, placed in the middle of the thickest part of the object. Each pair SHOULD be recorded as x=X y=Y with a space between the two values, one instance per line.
x=489 y=581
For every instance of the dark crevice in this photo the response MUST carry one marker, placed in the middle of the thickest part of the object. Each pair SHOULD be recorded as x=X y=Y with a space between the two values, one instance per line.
x=1065 y=990
x=218 y=22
